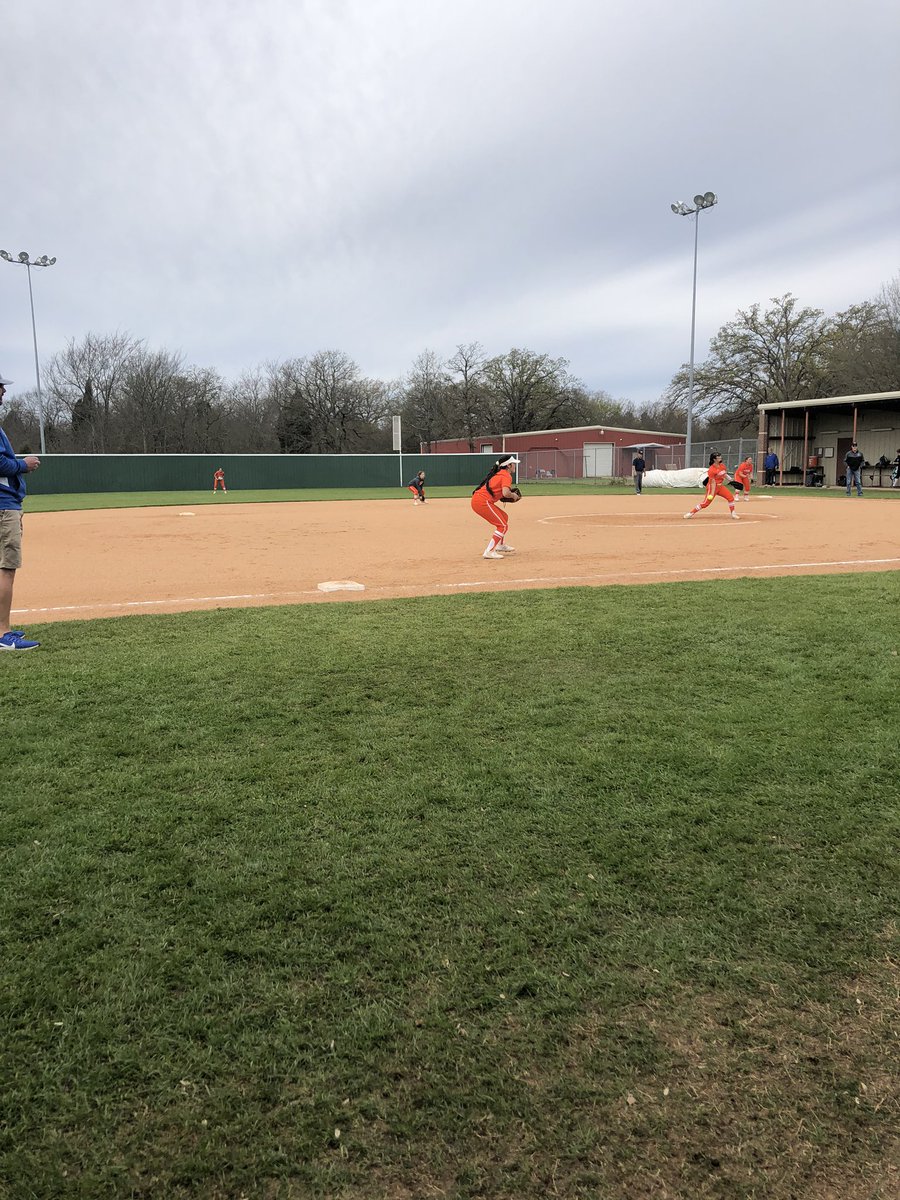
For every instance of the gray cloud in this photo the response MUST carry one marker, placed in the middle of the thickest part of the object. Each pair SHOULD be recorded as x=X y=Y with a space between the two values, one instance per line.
x=381 y=176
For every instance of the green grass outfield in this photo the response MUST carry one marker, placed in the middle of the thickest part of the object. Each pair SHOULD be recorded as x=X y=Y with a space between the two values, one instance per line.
x=85 y=500
x=579 y=893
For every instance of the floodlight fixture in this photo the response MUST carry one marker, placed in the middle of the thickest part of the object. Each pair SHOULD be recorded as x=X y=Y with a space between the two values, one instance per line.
x=701 y=201
x=24 y=261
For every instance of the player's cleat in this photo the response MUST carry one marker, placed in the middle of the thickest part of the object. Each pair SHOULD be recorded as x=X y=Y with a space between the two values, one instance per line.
x=687 y=516
x=14 y=641
x=504 y=549
x=491 y=554
x=735 y=517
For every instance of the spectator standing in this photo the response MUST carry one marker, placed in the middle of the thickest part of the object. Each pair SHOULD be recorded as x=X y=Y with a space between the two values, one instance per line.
x=12 y=492
x=638 y=467
x=853 y=460
x=770 y=466
x=895 y=473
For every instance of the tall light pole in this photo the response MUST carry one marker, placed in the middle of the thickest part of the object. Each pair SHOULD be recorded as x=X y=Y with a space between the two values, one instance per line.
x=24 y=261
x=707 y=200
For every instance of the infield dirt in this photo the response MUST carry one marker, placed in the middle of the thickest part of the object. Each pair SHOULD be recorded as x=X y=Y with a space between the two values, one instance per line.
x=113 y=562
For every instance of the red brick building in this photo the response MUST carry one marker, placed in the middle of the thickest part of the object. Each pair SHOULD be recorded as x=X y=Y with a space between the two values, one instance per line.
x=584 y=452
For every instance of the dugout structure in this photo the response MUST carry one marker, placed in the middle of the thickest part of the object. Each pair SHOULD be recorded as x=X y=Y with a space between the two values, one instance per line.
x=811 y=437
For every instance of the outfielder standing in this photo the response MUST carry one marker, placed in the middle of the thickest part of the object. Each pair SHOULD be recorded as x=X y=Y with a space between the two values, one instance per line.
x=715 y=486
x=219 y=479
x=495 y=490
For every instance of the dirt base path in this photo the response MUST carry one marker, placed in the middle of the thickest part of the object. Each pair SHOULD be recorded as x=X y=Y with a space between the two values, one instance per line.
x=111 y=562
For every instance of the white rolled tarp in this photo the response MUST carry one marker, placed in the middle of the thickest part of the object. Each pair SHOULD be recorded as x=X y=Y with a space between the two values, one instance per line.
x=689 y=477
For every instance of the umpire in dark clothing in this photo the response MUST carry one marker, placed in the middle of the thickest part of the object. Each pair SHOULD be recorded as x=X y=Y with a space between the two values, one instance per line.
x=638 y=467
x=853 y=460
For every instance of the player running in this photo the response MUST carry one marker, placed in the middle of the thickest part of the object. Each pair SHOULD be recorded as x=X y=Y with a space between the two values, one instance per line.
x=715 y=486
x=497 y=486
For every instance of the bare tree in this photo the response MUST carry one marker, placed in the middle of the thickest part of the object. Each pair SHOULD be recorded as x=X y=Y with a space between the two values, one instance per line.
x=861 y=350
x=334 y=399
x=86 y=379
x=889 y=299
x=19 y=417
x=250 y=414
x=527 y=391
x=467 y=394
x=425 y=400
x=149 y=392
x=196 y=412
x=758 y=358
x=325 y=406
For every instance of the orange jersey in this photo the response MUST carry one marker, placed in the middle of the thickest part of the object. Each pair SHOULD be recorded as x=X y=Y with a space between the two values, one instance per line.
x=496 y=484
x=715 y=485
x=745 y=470
x=486 y=501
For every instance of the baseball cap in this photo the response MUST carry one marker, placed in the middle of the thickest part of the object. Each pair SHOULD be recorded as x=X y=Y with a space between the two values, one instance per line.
x=4 y=382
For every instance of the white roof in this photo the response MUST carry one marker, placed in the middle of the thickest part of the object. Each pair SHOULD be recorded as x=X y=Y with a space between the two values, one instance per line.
x=833 y=401
x=596 y=425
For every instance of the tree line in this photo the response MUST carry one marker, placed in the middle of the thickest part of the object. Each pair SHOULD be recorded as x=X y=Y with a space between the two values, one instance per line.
x=113 y=393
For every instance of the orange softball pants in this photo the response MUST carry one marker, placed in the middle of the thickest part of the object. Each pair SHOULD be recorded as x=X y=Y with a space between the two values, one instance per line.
x=492 y=511
x=712 y=492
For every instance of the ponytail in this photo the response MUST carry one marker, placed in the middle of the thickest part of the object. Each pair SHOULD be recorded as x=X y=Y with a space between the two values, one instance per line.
x=490 y=475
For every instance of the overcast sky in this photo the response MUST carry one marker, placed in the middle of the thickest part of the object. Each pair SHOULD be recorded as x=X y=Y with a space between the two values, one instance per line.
x=247 y=182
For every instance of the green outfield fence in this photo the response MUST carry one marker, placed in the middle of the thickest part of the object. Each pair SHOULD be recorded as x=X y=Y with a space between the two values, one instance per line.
x=77 y=473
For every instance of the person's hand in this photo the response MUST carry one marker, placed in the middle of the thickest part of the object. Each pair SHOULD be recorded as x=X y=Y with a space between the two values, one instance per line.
x=31 y=461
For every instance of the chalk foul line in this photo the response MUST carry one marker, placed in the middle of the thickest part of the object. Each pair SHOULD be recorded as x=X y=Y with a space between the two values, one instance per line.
x=497 y=580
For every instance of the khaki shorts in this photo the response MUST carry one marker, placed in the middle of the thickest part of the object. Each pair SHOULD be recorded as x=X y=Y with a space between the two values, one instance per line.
x=10 y=539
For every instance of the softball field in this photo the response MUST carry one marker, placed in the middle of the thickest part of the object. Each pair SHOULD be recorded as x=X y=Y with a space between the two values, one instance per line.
x=112 y=562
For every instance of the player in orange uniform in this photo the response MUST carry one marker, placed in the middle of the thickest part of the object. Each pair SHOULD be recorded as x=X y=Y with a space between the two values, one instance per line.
x=496 y=486
x=743 y=475
x=715 y=486
x=219 y=478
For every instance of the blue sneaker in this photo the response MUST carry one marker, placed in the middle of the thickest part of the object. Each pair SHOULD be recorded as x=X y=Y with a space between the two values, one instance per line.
x=15 y=641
